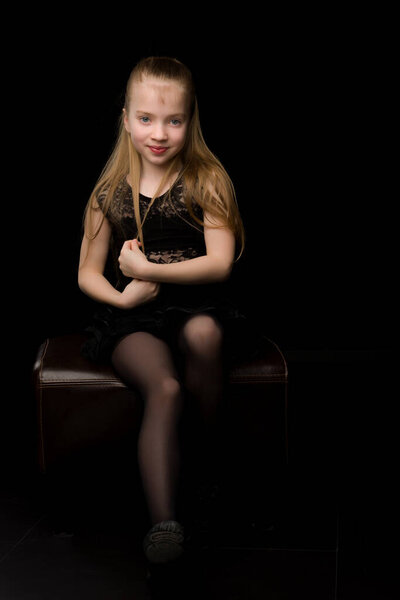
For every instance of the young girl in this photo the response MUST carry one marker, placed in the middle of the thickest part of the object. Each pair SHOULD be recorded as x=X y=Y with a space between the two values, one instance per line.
x=164 y=209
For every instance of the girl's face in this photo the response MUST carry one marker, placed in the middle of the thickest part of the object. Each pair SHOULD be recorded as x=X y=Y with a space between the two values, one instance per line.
x=157 y=120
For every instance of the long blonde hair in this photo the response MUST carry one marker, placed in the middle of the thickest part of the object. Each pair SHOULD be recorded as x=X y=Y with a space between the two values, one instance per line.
x=205 y=179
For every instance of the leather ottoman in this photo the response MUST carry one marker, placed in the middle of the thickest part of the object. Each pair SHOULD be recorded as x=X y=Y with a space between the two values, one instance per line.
x=81 y=404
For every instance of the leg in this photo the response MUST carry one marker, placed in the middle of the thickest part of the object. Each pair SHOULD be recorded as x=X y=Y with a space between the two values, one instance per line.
x=145 y=362
x=201 y=342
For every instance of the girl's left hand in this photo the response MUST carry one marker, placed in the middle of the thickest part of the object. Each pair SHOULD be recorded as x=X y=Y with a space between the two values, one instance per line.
x=132 y=261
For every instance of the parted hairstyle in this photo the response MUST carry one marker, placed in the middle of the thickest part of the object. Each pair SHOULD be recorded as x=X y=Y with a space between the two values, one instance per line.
x=205 y=180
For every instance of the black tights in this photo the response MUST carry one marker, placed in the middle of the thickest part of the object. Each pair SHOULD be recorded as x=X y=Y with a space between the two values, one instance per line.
x=146 y=363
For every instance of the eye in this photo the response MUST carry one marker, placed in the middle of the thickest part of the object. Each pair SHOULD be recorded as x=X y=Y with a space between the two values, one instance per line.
x=176 y=122
x=144 y=119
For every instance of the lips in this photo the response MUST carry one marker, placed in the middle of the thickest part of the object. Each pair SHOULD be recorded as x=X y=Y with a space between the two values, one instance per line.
x=158 y=149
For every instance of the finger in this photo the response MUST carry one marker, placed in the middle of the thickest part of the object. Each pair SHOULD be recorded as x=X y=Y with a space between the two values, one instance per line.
x=135 y=244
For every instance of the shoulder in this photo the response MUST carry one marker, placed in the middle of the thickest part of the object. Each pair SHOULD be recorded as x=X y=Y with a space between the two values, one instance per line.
x=190 y=197
x=177 y=188
x=112 y=194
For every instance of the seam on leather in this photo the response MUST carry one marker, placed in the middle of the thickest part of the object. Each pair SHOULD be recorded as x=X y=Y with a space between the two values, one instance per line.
x=82 y=382
x=258 y=379
x=282 y=356
x=42 y=453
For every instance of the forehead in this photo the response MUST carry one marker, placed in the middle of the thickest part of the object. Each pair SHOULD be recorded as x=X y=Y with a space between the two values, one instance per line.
x=153 y=92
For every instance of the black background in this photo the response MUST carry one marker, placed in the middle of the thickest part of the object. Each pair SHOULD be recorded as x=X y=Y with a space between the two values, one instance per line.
x=298 y=107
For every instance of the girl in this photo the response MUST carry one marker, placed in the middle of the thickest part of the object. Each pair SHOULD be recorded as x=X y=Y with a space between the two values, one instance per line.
x=165 y=209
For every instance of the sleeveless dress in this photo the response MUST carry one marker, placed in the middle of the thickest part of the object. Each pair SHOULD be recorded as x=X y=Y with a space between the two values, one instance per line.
x=170 y=235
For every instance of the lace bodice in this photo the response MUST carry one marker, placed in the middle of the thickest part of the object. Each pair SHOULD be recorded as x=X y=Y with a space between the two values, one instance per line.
x=170 y=233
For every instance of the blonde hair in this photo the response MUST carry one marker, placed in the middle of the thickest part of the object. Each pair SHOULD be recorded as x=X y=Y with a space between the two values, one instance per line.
x=205 y=179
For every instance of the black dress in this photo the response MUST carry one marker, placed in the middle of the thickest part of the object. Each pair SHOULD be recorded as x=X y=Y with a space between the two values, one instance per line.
x=170 y=235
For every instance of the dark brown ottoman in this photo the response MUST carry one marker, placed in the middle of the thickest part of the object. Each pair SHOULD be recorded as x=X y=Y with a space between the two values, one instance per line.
x=82 y=404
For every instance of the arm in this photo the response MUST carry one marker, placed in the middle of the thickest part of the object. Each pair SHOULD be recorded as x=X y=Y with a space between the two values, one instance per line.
x=91 y=278
x=214 y=266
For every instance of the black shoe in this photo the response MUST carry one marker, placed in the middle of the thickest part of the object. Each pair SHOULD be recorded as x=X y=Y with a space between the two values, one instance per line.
x=164 y=542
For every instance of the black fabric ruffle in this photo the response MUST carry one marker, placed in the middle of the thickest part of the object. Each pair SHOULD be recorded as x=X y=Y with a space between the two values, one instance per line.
x=164 y=318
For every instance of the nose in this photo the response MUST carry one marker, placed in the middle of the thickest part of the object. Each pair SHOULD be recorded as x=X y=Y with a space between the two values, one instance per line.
x=159 y=132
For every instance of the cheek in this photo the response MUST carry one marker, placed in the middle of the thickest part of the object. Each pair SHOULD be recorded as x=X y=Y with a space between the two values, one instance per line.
x=180 y=137
x=138 y=134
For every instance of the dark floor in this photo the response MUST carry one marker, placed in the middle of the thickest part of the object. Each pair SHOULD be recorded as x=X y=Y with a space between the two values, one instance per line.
x=103 y=556
x=305 y=554
x=327 y=534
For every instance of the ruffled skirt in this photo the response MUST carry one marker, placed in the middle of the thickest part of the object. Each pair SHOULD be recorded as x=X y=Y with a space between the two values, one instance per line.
x=165 y=316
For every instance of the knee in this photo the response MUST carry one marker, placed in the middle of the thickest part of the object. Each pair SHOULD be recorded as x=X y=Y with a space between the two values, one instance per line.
x=169 y=388
x=202 y=336
x=163 y=398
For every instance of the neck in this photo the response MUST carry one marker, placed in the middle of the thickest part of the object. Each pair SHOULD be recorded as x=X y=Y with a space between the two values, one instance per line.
x=153 y=176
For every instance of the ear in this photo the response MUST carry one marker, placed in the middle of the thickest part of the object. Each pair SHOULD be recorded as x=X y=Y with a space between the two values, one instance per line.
x=126 y=122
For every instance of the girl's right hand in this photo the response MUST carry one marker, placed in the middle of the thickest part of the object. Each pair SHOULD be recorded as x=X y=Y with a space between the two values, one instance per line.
x=138 y=292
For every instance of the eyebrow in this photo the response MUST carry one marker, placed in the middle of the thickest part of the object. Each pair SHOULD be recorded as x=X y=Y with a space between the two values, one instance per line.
x=143 y=112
